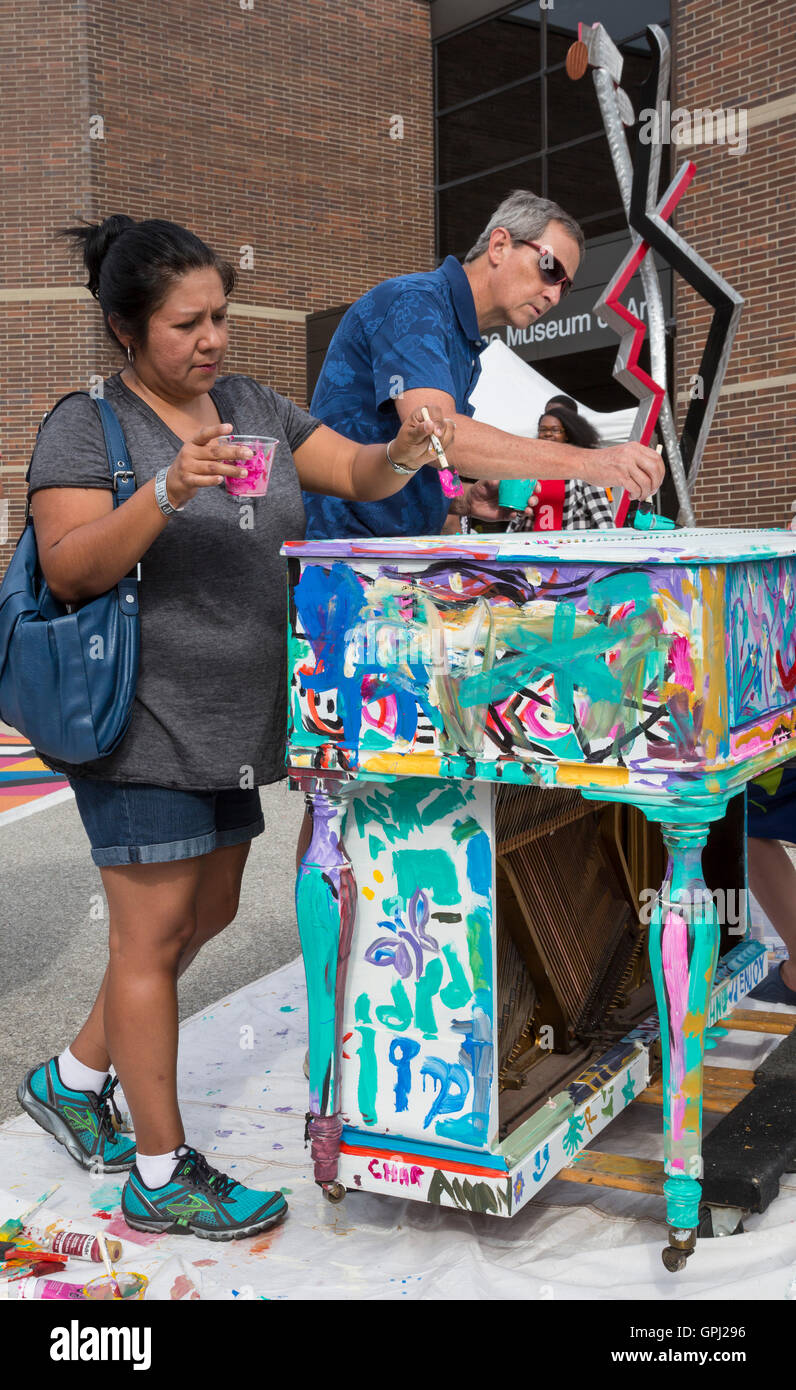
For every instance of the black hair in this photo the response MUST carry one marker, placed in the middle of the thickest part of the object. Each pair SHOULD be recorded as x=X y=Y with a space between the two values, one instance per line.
x=566 y=401
x=578 y=431
x=132 y=266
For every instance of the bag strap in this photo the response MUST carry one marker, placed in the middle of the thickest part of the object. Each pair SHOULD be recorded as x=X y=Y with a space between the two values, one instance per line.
x=119 y=464
x=122 y=478
x=120 y=468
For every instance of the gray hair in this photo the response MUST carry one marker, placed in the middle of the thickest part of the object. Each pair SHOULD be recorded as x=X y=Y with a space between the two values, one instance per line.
x=525 y=216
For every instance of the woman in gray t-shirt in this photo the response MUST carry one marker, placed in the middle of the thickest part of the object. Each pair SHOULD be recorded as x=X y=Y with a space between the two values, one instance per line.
x=172 y=811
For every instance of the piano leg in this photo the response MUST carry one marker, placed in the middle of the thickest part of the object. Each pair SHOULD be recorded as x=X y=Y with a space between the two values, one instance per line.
x=683 y=946
x=325 y=908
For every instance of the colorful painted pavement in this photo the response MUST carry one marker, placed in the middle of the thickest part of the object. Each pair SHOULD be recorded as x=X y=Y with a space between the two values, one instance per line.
x=23 y=777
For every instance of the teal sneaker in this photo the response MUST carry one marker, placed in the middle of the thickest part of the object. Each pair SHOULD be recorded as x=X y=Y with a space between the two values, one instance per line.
x=80 y=1120
x=198 y=1200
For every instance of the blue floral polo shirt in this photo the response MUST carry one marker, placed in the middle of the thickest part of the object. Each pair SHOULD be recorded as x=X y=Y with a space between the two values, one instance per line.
x=412 y=331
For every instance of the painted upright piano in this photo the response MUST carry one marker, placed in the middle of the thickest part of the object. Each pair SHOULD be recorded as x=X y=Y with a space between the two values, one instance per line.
x=441 y=691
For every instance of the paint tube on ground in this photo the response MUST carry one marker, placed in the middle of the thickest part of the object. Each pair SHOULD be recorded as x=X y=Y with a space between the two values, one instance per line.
x=78 y=1245
x=31 y=1287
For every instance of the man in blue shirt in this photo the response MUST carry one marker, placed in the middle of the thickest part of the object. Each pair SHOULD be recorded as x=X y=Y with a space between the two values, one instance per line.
x=416 y=340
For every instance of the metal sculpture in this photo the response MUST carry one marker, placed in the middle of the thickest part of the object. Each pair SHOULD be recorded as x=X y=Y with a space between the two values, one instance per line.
x=648 y=224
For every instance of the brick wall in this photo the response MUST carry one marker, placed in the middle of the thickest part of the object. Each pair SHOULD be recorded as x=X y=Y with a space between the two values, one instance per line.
x=266 y=127
x=740 y=214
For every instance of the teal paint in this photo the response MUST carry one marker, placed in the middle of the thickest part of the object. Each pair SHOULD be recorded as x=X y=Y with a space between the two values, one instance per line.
x=563 y=632
x=686 y=897
x=362 y=1008
x=319 y=924
x=427 y=986
x=399 y=1016
x=375 y=846
x=372 y=741
x=479 y=864
x=563 y=656
x=368 y=1084
x=108 y=1194
x=432 y=869
x=408 y=803
x=450 y=799
x=682 y=1202
x=623 y=587
x=457 y=992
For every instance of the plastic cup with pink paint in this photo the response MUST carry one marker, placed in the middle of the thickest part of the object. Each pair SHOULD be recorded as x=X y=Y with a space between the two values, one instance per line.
x=258 y=467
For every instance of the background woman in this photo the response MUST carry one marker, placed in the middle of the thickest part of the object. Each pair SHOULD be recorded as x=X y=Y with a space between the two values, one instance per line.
x=572 y=504
x=172 y=811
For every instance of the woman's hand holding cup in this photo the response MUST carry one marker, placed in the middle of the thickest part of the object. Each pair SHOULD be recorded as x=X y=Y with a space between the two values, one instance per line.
x=204 y=461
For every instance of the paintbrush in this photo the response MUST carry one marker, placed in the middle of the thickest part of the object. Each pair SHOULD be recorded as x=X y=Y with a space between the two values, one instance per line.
x=13 y=1226
x=40 y=1266
x=449 y=479
x=646 y=518
x=109 y=1270
x=22 y=1249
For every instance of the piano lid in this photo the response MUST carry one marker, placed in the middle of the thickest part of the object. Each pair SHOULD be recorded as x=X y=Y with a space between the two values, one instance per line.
x=699 y=546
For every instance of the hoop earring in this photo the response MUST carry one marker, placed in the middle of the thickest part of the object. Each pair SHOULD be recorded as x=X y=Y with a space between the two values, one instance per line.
x=130 y=355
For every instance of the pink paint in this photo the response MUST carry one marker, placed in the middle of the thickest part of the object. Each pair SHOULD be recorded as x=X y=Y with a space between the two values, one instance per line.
x=181 y=1287
x=119 y=1227
x=201 y=1263
x=258 y=468
x=674 y=958
x=387 y=720
x=681 y=662
x=450 y=482
x=43 y=1288
x=405 y=1176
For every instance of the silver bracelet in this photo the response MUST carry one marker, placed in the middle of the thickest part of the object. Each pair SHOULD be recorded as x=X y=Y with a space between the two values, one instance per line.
x=398 y=467
x=162 y=496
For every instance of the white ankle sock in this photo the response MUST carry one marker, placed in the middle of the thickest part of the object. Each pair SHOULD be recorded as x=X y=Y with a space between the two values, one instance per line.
x=79 y=1077
x=156 y=1169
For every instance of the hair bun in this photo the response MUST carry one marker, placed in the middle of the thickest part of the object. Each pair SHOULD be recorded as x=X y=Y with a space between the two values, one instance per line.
x=95 y=240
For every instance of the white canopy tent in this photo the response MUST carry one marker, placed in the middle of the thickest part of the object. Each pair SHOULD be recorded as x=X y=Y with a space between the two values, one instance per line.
x=511 y=395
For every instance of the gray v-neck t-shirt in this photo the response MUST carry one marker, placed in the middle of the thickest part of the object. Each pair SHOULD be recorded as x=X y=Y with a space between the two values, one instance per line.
x=210 y=707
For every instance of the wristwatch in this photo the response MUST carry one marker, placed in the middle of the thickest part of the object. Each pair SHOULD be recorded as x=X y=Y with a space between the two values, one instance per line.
x=398 y=467
x=162 y=496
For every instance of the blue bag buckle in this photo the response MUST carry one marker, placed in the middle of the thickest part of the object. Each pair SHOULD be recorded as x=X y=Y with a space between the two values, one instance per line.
x=126 y=473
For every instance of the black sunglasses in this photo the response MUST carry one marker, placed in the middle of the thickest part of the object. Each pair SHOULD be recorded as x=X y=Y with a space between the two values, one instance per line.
x=550 y=267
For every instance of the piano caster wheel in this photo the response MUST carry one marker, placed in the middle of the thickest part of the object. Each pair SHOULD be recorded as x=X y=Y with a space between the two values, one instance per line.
x=333 y=1191
x=674 y=1260
x=681 y=1244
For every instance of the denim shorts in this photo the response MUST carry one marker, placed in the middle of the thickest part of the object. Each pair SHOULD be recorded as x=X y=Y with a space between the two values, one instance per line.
x=138 y=823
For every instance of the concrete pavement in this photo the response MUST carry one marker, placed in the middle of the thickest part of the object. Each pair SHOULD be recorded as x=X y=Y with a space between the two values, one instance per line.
x=53 y=949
